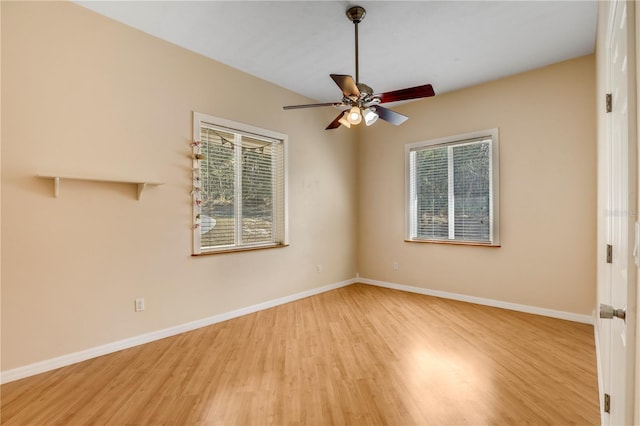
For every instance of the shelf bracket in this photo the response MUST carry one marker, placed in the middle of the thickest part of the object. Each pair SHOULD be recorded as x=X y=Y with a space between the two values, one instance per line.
x=141 y=187
x=56 y=186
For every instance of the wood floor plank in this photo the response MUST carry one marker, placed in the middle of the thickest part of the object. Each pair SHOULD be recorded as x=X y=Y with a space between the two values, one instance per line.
x=357 y=355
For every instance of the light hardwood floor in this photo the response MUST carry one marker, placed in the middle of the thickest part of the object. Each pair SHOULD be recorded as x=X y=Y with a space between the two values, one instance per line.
x=357 y=355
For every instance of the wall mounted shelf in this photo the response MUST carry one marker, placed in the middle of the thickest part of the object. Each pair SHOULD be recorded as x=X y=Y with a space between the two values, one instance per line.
x=141 y=184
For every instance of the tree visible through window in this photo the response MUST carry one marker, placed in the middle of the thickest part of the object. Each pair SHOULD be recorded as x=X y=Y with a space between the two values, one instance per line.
x=242 y=200
x=452 y=194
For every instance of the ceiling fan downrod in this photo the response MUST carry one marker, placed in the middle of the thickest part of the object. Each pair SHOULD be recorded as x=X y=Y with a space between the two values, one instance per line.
x=356 y=15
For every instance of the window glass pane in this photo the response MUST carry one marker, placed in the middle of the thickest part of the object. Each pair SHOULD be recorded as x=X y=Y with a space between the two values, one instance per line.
x=217 y=174
x=471 y=191
x=257 y=191
x=432 y=193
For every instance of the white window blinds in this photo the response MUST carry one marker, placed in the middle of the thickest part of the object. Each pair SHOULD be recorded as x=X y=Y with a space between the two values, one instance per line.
x=452 y=191
x=242 y=190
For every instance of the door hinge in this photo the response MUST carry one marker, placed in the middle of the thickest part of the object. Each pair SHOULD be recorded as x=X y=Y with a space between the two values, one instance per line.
x=609 y=253
x=607 y=403
x=609 y=102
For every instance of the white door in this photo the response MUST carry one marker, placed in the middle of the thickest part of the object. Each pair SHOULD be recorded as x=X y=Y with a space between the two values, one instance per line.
x=617 y=286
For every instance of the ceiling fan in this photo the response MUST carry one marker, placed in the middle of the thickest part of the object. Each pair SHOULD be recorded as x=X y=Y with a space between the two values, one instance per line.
x=362 y=103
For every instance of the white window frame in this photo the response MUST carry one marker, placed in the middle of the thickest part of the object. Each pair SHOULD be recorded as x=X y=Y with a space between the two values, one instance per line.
x=411 y=221
x=252 y=131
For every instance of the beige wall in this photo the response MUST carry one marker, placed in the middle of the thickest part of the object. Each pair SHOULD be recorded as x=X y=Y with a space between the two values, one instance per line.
x=84 y=94
x=546 y=120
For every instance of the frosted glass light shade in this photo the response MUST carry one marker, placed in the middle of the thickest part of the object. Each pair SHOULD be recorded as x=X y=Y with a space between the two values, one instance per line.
x=354 y=116
x=344 y=120
x=370 y=116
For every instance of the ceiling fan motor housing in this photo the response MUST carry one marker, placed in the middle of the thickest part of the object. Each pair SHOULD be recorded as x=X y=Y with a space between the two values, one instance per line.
x=364 y=89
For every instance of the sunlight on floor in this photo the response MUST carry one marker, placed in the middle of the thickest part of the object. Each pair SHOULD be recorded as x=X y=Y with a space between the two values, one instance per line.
x=454 y=382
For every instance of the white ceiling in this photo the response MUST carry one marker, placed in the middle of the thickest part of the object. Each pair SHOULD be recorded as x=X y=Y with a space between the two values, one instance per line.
x=297 y=44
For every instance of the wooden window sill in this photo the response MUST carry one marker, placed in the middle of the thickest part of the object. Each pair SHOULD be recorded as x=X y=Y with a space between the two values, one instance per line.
x=239 y=249
x=455 y=243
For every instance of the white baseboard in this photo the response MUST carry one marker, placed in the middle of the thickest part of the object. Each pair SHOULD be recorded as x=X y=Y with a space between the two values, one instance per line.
x=569 y=316
x=64 y=360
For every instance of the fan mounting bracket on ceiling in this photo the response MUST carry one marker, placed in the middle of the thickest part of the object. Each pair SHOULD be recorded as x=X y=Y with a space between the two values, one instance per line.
x=356 y=14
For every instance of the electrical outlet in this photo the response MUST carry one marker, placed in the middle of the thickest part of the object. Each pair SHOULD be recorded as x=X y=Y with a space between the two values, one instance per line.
x=395 y=266
x=139 y=304
x=319 y=268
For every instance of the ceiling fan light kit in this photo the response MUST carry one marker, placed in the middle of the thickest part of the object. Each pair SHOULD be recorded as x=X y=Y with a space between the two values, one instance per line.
x=360 y=98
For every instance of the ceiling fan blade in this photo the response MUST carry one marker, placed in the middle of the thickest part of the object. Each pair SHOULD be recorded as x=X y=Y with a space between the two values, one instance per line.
x=390 y=116
x=336 y=104
x=405 y=94
x=346 y=84
x=335 y=123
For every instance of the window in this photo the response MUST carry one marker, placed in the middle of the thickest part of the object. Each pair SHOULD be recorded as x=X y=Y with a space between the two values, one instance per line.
x=239 y=186
x=452 y=189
